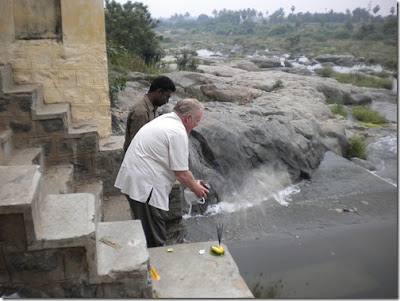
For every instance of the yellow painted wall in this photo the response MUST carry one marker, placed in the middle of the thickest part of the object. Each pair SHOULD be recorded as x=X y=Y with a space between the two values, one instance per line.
x=73 y=70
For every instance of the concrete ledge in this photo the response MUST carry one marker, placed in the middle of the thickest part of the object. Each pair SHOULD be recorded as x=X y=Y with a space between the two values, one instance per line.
x=129 y=253
x=187 y=274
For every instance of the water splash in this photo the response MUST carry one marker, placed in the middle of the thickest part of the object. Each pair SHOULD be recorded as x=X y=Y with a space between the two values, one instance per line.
x=283 y=197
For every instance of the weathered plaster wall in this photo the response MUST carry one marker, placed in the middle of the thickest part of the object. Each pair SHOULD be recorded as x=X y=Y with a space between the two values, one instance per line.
x=72 y=69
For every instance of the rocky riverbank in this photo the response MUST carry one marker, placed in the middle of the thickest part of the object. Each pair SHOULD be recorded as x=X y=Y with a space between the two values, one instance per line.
x=262 y=123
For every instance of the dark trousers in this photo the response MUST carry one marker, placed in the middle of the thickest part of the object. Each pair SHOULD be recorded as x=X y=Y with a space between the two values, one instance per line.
x=153 y=222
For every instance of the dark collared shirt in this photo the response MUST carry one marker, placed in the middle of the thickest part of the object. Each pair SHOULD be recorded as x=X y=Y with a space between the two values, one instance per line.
x=141 y=113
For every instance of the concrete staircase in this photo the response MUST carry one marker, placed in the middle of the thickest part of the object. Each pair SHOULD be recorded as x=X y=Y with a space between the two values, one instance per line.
x=53 y=242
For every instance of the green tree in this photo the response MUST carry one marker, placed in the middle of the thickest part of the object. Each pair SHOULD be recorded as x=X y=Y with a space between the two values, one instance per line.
x=278 y=16
x=360 y=14
x=131 y=26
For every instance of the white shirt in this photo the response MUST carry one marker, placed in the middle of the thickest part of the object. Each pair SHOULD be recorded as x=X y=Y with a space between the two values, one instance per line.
x=158 y=149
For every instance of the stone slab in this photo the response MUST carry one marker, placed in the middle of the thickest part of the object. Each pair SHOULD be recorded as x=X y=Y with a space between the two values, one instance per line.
x=129 y=253
x=51 y=111
x=26 y=156
x=185 y=273
x=67 y=216
x=78 y=128
x=18 y=187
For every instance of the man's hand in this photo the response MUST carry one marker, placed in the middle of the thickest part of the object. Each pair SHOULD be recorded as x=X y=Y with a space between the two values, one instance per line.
x=197 y=186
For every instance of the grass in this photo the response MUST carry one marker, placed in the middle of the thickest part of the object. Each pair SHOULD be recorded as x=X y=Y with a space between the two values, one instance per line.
x=381 y=80
x=363 y=80
x=339 y=109
x=366 y=115
x=357 y=148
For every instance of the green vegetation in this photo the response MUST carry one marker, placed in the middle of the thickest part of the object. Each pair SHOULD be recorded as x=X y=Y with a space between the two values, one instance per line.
x=278 y=84
x=132 y=44
x=339 y=109
x=374 y=80
x=187 y=60
x=130 y=25
x=357 y=148
x=326 y=71
x=365 y=114
x=363 y=80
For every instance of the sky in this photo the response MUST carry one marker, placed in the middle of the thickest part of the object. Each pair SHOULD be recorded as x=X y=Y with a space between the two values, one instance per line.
x=167 y=8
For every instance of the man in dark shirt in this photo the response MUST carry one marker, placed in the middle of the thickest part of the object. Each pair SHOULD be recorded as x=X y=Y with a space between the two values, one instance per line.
x=144 y=110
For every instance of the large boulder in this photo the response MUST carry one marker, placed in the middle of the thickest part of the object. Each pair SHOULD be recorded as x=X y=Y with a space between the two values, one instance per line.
x=340 y=60
x=266 y=62
x=224 y=71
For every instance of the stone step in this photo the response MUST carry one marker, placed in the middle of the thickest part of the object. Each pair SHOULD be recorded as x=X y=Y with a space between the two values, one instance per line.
x=20 y=193
x=59 y=179
x=94 y=187
x=6 y=145
x=53 y=111
x=26 y=156
x=185 y=273
x=126 y=260
x=66 y=220
x=78 y=128
x=23 y=89
x=6 y=79
x=18 y=187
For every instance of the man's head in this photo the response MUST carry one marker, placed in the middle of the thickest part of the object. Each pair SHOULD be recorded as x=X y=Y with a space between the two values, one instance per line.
x=190 y=111
x=160 y=90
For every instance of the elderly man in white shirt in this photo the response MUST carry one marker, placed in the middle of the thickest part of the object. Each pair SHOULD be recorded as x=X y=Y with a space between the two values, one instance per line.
x=157 y=156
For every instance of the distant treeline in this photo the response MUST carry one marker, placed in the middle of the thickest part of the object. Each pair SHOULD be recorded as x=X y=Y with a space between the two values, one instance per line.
x=358 y=15
x=359 y=24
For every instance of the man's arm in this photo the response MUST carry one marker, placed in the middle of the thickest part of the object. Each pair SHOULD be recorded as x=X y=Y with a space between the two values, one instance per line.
x=187 y=179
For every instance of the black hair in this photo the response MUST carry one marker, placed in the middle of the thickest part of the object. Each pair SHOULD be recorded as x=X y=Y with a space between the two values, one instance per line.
x=163 y=82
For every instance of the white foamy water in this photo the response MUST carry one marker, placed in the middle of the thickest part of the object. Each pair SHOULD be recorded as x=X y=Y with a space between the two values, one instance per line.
x=282 y=197
x=383 y=154
x=207 y=53
x=387 y=143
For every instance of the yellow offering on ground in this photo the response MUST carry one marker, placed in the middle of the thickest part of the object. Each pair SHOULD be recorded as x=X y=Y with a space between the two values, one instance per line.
x=217 y=250
x=154 y=273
